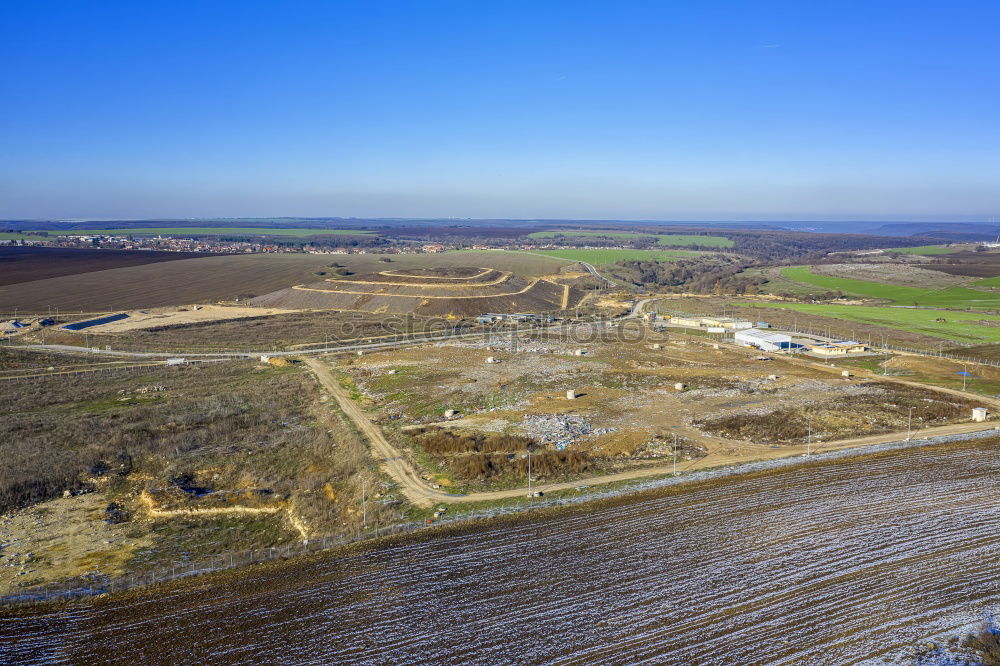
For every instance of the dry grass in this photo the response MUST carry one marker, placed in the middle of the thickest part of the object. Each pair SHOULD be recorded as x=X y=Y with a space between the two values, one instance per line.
x=884 y=409
x=545 y=466
x=437 y=441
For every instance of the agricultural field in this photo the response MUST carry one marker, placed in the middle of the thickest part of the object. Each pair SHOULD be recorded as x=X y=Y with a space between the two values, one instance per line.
x=626 y=411
x=972 y=264
x=671 y=240
x=925 y=250
x=26 y=264
x=13 y=235
x=949 y=297
x=209 y=231
x=966 y=327
x=124 y=470
x=602 y=257
x=818 y=558
x=225 y=278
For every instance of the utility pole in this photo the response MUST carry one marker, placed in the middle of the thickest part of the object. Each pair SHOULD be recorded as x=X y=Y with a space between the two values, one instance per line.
x=909 y=425
x=529 y=470
x=364 y=510
x=965 y=375
x=809 y=438
x=675 y=454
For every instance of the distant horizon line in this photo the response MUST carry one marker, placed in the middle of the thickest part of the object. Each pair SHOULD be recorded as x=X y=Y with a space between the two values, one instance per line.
x=541 y=220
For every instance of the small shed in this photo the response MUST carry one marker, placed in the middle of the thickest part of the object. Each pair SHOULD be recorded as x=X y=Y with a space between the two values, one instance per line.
x=979 y=414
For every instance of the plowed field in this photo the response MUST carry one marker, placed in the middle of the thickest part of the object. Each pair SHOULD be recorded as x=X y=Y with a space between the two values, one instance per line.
x=832 y=562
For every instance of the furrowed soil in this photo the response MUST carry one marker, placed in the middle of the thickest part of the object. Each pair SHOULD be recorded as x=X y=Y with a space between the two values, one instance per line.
x=167 y=283
x=225 y=278
x=835 y=561
x=25 y=264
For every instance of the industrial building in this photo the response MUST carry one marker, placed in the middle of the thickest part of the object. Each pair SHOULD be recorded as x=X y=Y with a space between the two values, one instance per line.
x=730 y=323
x=841 y=348
x=80 y=325
x=764 y=340
x=491 y=317
x=686 y=321
x=726 y=322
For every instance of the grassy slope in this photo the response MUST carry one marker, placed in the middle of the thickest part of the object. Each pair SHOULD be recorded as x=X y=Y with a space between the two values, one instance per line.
x=957 y=325
x=211 y=231
x=610 y=256
x=925 y=250
x=677 y=240
x=952 y=297
x=10 y=235
x=988 y=282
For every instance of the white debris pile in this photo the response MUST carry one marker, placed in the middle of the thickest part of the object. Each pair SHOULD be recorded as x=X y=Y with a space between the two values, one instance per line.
x=559 y=430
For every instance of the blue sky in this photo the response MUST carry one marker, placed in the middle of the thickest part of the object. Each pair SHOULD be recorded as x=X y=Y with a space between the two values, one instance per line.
x=629 y=110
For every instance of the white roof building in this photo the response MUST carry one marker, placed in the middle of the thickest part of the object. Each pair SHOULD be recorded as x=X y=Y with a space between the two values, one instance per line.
x=766 y=340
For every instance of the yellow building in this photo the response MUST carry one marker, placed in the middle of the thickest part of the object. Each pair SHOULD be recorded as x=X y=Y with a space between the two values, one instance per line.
x=838 y=348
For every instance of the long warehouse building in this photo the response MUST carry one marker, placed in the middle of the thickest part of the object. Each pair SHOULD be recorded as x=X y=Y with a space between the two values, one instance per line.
x=765 y=340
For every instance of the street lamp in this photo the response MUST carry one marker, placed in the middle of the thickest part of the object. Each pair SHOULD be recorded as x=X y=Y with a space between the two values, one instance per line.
x=909 y=424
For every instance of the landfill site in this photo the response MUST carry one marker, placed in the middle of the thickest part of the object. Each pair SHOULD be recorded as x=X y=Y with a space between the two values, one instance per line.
x=468 y=411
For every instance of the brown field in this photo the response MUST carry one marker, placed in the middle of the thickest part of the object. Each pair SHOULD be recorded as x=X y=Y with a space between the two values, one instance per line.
x=27 y=264
x=224 y=278
x=971 y=264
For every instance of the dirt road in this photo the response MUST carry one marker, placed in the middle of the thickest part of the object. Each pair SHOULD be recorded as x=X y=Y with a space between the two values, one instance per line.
x=414 y=487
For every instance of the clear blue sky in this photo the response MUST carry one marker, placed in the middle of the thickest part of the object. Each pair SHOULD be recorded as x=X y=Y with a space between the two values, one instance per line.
x=631 y=110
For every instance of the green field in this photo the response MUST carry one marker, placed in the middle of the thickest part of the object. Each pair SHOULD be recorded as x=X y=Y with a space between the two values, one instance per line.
x=675 y=240
x=951 y=297
x=209 y=231
x=610 y=256
x=924 y=250
x=960 y=326
x=987 y=282
x=12 y=235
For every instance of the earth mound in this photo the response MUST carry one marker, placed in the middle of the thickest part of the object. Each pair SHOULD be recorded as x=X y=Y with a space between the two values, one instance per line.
x=462 y=291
